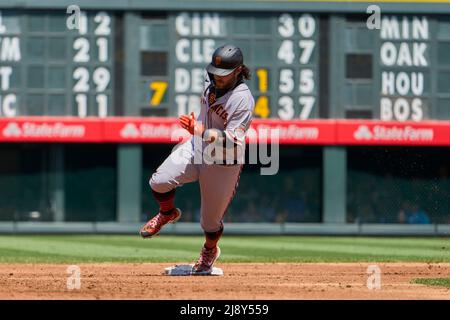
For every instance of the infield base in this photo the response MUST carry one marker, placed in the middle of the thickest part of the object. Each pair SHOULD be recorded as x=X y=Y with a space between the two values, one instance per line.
x=186 y=270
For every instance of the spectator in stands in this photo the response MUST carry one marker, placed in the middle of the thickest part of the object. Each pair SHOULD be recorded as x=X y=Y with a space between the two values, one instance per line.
x=405 y=207
x=417 y=216
x=281 y=216
x=412 y=214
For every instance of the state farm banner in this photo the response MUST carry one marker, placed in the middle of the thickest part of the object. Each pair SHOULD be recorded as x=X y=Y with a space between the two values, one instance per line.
x=293 y=131
x=142 y=130
x=167 y=130
x=50 y=129
x=370 y=132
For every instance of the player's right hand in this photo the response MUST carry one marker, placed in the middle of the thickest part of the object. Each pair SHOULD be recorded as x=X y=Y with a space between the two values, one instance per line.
x=189 y=123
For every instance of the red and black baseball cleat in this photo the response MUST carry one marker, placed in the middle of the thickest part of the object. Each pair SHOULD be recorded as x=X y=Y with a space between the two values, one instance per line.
x=154 y=226
x=205 y=263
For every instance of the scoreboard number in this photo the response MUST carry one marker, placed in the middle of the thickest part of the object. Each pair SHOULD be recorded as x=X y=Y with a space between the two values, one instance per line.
x=286 y=52
x=307 y=104
x=306 y=25
x=83 y=24
x=90 y=88
x=101 y=78
x=286 y=27
x=82 y=45
x=286 y=84
x=159 y=88
x=306 y=81
x=82 y=75
x=286 y=112
x=102 y=102
x=262 y=107
x=81 y=100
x=104 y=21
x=262 y=80
x=102 y=44
x=307 y=47
x=305 y=87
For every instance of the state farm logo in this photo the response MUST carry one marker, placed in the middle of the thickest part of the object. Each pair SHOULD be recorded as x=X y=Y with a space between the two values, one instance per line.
x=43 y=130
x=393 y=133
x=149 y=130
x=12 y=130
x=285 y=132
x=363 y=133
x=129 y=131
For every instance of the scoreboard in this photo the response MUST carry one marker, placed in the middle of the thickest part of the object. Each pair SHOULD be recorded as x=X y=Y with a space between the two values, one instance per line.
x=48 y=69
x=397 y=72
x=281 y=51
x=305 y=65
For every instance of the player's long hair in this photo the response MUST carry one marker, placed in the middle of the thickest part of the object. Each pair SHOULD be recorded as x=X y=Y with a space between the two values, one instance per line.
x=245 y=73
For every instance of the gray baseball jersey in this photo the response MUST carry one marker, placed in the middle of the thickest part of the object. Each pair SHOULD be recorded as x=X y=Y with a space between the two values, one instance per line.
x=232 y=115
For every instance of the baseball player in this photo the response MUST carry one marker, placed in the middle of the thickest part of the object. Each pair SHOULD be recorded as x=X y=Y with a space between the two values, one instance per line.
x=226 y=113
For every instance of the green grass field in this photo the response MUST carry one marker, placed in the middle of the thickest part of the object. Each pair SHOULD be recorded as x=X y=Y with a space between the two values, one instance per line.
x=445 y=282
x=114 y=248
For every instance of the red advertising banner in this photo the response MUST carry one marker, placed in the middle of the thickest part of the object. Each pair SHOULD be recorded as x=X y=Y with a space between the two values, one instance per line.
x=351 y=132
x=143 y=130
x=50 y=129
x=293 y=131
x=167 y=130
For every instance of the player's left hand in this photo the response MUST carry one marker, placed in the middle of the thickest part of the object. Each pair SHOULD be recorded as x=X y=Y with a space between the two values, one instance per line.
x=189 y=123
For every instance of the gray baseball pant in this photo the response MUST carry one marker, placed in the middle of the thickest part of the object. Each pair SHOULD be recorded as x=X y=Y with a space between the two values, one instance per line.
x=218 y=183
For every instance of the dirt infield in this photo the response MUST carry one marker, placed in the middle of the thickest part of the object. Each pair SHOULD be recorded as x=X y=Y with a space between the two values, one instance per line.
x=241 y=281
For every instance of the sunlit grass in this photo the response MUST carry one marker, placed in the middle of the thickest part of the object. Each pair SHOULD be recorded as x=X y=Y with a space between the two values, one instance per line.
x=121 y=248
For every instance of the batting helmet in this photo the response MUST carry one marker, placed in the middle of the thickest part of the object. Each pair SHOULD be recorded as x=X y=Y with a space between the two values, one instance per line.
x=225 y=60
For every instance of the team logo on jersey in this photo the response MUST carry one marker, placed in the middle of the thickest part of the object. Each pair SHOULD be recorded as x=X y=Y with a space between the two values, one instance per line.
x=220 y=111
x=211 y=98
